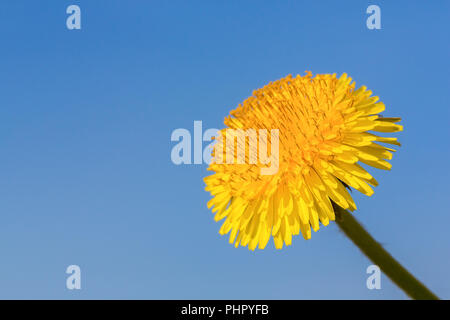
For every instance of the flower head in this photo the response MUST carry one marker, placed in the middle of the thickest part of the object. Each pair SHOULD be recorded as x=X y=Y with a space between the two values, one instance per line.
x=324 y=129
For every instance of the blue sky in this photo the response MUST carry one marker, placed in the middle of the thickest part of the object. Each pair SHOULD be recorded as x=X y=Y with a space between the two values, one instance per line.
x=86 y=117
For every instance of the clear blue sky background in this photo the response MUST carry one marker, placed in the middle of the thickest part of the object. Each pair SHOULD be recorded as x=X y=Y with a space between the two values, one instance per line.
x=85 y=124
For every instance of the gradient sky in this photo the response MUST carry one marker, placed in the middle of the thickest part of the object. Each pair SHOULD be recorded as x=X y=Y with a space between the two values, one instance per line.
x=86 y=118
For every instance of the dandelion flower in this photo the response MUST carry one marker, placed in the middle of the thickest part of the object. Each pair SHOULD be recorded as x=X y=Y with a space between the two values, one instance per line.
x=325 y=131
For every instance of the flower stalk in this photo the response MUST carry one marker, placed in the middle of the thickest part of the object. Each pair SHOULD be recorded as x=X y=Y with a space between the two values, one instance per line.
x=379 y=256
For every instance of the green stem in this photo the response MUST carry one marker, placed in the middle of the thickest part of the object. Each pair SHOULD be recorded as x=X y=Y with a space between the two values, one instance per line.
x=375 y=252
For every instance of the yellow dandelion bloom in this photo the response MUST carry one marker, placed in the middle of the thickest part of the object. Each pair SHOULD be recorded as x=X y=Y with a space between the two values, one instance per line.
x=324 y=127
